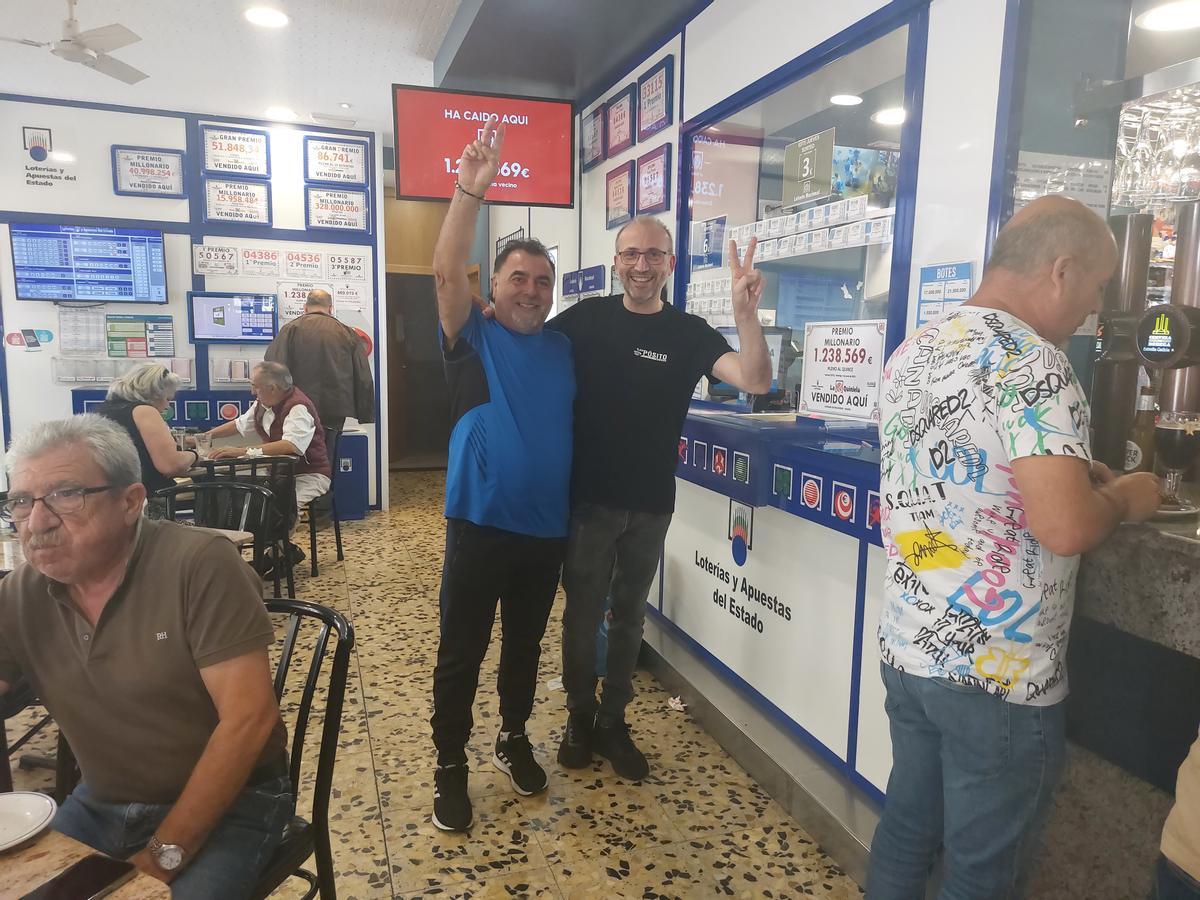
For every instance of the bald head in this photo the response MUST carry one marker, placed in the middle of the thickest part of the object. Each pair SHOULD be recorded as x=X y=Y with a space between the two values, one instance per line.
x=318 y=301
x=1047 y=229
x=1049 y=267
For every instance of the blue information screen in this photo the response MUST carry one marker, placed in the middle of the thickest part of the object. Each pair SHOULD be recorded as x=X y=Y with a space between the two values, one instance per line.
x=223 y=318
x=79 y=262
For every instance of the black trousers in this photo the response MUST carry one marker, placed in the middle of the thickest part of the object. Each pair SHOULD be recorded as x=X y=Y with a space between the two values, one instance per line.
x=484 y=565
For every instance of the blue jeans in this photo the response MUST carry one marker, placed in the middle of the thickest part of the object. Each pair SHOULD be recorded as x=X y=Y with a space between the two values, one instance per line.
x=1172 y=883
x=972 y=773
x=229 y=863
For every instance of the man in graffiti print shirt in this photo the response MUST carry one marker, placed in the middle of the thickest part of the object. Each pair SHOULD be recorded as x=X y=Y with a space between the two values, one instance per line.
x=990 y=495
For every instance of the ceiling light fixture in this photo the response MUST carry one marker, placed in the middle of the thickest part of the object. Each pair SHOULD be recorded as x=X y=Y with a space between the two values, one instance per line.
x=1178 y=15
x=845 y=100
x=266 y=17
x=345 y=105
x=280 y=112
x=893 y=115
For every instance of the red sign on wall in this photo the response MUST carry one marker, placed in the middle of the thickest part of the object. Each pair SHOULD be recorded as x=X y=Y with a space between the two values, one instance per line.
x=432 y=126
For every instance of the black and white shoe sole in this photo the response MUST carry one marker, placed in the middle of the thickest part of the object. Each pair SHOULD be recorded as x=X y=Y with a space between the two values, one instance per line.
x=441 y=827
x=500 y=764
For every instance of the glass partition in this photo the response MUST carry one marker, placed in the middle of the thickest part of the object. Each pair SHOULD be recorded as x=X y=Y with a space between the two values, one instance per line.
x=812 y=170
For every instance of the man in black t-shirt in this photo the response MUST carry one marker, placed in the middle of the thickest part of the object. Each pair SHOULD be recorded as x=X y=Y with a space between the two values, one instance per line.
x=637 y=361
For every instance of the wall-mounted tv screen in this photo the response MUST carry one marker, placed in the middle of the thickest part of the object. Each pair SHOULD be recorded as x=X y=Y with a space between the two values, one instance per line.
x=432 y=126
x=217 y=317
x=88 y=264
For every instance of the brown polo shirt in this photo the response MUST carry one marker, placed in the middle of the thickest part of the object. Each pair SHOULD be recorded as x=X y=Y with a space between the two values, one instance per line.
x=128 y=695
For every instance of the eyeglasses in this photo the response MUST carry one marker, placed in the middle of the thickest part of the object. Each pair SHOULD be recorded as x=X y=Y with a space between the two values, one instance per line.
x=62 y=502
x=654 y=256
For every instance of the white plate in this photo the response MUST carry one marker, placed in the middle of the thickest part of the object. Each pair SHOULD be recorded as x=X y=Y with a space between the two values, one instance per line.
x=23 y=815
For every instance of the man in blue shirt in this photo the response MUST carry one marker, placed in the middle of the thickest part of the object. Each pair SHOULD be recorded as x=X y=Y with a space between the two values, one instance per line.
x=512 y=387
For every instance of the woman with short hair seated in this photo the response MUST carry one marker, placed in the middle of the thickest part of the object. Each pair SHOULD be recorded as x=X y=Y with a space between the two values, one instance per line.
x=136 y=401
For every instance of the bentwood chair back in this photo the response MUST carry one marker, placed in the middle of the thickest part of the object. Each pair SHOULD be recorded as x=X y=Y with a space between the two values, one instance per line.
x=228 y=505
x=278 y=475
x=319 y=632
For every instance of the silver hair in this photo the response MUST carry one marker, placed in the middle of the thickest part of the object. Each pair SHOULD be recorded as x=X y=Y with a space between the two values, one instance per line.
x=645 y=220
x=277 y=374
x=94 y=435
x=147 y=383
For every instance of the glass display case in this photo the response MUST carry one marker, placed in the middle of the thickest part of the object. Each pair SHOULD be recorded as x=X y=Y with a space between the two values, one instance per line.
x=820 y=170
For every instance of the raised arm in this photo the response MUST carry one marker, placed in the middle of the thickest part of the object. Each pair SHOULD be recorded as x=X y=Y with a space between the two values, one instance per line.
x=749 y=368
x=478 y=167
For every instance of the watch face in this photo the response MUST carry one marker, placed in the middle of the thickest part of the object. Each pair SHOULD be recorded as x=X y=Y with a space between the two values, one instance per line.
x=168 y=857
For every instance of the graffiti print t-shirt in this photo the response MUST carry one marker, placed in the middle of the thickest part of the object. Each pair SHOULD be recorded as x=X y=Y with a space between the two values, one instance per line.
x=971 y=596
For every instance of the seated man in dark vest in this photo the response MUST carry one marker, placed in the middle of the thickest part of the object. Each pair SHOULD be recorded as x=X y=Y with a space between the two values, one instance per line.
x=286 y=422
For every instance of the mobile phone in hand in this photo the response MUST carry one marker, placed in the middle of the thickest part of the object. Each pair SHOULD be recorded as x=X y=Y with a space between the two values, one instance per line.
x=92 y=877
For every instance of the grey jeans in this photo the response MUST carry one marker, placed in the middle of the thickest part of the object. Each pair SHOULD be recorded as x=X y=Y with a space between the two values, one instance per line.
x=611 y=553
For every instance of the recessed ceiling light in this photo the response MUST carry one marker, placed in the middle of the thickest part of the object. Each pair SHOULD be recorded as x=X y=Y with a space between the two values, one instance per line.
x=845 y=99
x=893 y=115
x=345 y=105
x=266 y=17
x=280 y=112
x=1178 y=15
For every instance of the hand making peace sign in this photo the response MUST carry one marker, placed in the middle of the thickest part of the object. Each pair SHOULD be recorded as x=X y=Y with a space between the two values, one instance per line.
x=747 y=281
x=481 y=159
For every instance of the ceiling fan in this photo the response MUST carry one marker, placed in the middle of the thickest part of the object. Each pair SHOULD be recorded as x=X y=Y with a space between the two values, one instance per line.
x=91 y=48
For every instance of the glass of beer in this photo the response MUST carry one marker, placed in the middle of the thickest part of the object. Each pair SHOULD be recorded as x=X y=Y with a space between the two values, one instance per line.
x=1176 y=442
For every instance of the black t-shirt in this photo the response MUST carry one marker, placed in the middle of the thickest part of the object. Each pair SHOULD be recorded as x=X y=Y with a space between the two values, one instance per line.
x=634 y=376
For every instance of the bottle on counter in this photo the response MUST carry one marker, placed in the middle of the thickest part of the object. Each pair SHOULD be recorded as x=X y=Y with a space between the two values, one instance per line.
x=1139 y=448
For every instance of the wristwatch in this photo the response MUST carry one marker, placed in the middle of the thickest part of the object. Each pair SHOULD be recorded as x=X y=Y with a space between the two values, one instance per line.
x=167 y=857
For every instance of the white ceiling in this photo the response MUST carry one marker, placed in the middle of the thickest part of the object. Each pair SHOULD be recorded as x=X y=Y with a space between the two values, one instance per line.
x=203 y=56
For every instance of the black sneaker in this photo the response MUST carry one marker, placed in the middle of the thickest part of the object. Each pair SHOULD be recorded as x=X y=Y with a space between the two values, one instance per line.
x=575 y=751
x=451 y=805
x=514 y=757
x=612 y=741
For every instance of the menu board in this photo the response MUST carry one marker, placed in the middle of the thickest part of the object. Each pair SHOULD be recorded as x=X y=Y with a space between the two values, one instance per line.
x=433 y=126
x=843 y=365
x=236 y=151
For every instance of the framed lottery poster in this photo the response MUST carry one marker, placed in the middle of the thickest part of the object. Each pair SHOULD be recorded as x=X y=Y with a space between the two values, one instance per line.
x=619 y=114
x=335 y=160
x=654 y=181
x=236 y=151
x=591 y=142
x=655 y=106
x=618 y=195
x=147 y=172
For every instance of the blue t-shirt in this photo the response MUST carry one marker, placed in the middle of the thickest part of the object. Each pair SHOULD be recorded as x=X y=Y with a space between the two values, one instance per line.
x=511 y=398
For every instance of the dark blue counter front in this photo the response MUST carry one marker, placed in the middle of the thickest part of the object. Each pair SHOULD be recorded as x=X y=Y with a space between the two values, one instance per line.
x=821 y=471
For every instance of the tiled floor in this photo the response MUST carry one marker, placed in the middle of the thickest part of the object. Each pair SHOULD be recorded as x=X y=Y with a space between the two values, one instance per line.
x=699 y=827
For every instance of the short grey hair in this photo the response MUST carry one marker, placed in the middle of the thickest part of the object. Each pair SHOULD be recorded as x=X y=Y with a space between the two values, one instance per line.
x=1048 y=228
x=147 y=383
x=646 y=220
x=102 y=439
x=277 y=374
x=319 y=298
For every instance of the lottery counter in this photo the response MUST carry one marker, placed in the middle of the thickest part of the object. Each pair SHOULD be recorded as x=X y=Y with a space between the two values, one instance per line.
x=773 y=572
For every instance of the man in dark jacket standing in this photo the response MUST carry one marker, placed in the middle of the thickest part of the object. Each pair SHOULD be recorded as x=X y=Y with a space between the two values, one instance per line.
x=328 y=363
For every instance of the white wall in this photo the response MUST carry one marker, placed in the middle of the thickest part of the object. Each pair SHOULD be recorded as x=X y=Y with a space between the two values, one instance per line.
x=82 y=141
x=958 y=131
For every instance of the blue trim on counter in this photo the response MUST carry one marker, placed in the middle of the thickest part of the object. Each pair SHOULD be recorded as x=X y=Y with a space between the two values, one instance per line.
x=860 y=611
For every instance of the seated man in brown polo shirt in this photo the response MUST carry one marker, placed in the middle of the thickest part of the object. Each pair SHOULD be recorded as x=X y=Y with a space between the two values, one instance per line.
x=147 y=641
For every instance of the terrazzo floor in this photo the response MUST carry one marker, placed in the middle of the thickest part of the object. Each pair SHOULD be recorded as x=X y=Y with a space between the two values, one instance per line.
x=698 y=827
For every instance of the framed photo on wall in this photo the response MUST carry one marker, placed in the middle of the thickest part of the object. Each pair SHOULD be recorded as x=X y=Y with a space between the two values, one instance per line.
x=656 y=97
x=654 y=181
x=148 y=172
x=618 y=195
x=591 y=139
x=620 y=113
